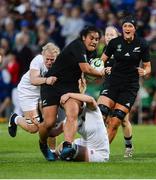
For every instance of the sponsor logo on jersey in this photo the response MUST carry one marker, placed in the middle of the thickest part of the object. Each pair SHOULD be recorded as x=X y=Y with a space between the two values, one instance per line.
x=112 y=57
x=44 y=102
x=127 y=104
x=127 y=54
x=90 y=60
x=136 y=49
x=105 y=91
x=119 y=48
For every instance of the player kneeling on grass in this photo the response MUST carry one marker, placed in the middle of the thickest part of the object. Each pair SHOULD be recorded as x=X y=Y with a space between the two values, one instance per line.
x=93 y=146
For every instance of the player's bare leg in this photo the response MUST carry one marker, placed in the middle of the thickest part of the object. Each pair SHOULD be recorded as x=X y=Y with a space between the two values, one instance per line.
x=118 y=116
x=127 y=131
x=72 y=108
x=49 y=114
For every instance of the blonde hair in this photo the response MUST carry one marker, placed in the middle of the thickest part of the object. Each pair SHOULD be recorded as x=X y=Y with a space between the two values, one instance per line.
x=51 y=48
x=113 y=27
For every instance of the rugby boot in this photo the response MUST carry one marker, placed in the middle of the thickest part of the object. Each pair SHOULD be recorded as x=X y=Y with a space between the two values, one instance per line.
x=12 y=127
x=49 y=156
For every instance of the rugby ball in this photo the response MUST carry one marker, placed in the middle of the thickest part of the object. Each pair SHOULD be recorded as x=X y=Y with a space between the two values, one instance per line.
x=97 y=64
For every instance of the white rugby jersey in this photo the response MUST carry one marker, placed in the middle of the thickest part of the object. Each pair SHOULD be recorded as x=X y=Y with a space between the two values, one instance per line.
x=25 y=87
x=92 y=129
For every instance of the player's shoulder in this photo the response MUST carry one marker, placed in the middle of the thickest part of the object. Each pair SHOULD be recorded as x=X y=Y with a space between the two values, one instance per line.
x=119 y=38
x=38 y=59
x=76 y=43
x=141 y=41
x=116 y=40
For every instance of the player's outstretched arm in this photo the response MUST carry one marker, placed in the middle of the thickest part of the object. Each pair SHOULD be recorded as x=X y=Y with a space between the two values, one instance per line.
x=80 y=97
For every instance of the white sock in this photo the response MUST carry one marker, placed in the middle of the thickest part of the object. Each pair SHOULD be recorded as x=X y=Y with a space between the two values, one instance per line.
x=16 y=119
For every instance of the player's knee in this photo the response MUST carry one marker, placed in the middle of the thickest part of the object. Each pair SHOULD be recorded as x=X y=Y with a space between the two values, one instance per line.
x=48 y=124
x=33 y=129
x=119 y=114
x=113 y=125
x=104 y=110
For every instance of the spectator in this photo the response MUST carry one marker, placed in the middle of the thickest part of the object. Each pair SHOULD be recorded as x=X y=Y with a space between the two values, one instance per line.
x=54 y=30
x=89 y=15
x=142 y=13
x=10 y=31
x=73 y=27
x=5 y=88
x=23 y=52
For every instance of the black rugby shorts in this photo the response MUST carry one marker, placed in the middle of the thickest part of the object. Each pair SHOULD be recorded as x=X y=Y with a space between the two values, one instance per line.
x=124 y=94
x=51 y=94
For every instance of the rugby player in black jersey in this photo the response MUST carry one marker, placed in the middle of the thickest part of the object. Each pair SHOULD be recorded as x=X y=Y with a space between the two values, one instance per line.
x=110 y=33
x=72 y=61
x=123 y=84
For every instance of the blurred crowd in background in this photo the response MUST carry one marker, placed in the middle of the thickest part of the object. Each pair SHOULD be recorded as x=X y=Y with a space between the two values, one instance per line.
x=27 y=25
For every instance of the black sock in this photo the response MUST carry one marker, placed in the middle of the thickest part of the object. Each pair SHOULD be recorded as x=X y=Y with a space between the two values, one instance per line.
x=128 y=142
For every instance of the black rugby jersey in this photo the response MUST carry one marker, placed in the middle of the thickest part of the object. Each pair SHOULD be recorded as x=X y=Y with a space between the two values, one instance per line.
x=127 y=57
x=66 y=67
x=110 y=61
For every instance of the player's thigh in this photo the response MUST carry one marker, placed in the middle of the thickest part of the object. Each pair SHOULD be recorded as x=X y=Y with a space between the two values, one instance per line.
x=50 y=114
x=72 y=107
x=49 y=95
x=105 y=101
x=28 y=104
x=108 y=95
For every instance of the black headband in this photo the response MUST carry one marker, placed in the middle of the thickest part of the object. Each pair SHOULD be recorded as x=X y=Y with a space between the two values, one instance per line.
x=131 y=20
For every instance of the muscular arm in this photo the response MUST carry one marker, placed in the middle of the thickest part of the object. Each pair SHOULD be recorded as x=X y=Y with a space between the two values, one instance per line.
x=37 y=80
x=86 y=68
x=81 y=97
x=35 y=77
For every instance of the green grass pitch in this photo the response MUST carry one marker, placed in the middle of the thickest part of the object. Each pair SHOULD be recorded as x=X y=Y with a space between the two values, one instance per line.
x=20 y=158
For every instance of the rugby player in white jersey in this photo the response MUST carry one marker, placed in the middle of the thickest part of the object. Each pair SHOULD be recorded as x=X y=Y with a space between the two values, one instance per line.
x=93 y=146
x=29 y=90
